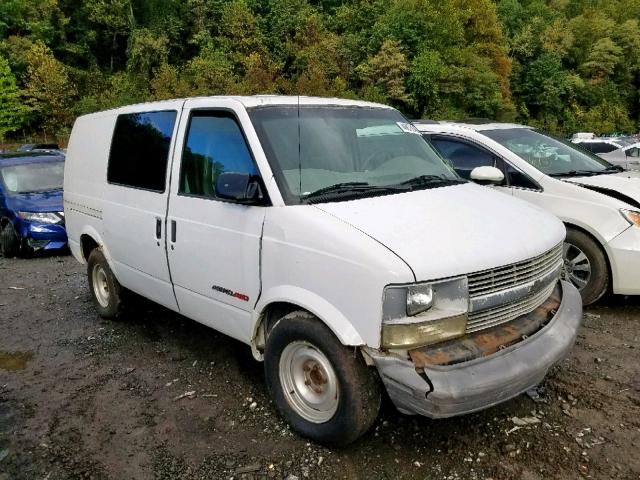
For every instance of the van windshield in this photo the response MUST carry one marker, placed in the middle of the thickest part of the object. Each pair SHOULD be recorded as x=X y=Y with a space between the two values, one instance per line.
x=332 y=153
x=33 y=177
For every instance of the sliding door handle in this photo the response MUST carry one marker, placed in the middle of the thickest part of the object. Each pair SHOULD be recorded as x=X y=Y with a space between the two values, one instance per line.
x=158 y=228
x=173 y=231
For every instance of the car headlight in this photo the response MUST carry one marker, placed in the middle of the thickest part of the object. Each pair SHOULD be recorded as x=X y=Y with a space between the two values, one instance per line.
x=419 y=298
x=424 y=313
x=632 y=216
x=40 y=217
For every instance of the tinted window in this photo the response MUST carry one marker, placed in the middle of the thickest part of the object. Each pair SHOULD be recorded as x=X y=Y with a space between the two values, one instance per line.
x=519 y=179
x=140 y=150
x=633 y=152
x=587 y=146
x=599 y=147
x=463 y=156
x=215 y=144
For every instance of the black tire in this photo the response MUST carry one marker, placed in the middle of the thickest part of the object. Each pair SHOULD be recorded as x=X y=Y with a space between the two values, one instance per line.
x=9 y=241
x=97 y=266
x=359 y=387
x=598 y=282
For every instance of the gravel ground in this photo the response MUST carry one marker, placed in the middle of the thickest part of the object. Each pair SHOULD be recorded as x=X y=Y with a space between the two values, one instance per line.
x=85 y=398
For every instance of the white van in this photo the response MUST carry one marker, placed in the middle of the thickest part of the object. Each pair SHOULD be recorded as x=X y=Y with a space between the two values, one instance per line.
x=331 y=238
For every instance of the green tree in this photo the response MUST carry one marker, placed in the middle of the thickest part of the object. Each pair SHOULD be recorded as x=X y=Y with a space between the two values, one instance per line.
x=383 y=75
x=12 y=109
x=602 y=60
x=49 y=90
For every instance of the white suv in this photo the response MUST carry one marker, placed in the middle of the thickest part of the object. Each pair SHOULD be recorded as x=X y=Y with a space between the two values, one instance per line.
x=333 y=240
x=599 y=204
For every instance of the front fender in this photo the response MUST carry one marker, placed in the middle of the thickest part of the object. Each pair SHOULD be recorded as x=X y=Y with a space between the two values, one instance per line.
x=307 y=300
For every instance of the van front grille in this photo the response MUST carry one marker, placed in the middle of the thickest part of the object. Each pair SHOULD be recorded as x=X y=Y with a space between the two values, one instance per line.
x=499 y=283
x=494 y=280
x=509 y=311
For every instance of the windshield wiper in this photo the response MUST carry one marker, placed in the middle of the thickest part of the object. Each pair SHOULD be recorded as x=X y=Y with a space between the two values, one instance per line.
x=430 y=181
x=575 y=173
x=589 y=173
x=347 y=188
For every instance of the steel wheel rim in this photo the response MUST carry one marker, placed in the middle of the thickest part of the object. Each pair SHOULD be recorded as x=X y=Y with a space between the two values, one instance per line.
x=576 y=267
x=100 y=286
x=309 y=382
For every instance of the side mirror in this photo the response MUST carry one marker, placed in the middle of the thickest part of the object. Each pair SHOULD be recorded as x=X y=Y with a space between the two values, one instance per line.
x=487 y=175
x=239 y=187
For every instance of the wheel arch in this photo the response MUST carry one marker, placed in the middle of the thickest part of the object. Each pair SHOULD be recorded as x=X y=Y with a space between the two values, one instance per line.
x=90 y=239
x=280 y=301
x=600 y=244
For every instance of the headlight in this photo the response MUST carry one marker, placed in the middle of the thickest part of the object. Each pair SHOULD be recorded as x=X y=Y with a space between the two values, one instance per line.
x=419 y=298
x=632 y=216
x=424 y=313
x=40 y=217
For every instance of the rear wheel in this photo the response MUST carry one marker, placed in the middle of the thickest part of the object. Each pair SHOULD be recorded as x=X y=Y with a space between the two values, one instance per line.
x=585 y=266
x=9 y=241
x=104 y=287
x=322 y=388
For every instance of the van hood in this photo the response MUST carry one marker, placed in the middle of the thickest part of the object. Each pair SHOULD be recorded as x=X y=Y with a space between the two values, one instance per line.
x=624 y=186
x=455 y=230
x=36 y=202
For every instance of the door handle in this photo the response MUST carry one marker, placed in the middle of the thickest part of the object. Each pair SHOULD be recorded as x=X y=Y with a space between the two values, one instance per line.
x=158 y=228
x=173 y=231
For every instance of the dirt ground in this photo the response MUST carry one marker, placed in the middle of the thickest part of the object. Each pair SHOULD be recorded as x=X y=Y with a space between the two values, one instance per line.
x=85 y=398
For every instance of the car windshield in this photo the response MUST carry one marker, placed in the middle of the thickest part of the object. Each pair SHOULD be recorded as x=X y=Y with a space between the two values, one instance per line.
x=550 y=155
x=325 y=153
x=33 y=177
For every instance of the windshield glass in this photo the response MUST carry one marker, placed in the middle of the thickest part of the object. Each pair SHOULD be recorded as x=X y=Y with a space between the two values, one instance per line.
x=345 y=152
x=549 y=155
x=33 y=177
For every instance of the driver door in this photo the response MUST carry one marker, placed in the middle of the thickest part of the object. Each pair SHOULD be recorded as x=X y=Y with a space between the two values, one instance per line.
x=214 y=243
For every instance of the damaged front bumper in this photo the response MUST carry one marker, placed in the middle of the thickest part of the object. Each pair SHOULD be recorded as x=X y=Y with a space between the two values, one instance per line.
x=483 y=369
x=38 y=237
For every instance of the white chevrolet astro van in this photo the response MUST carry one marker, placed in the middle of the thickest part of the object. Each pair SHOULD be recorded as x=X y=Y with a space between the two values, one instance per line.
x=331 y=238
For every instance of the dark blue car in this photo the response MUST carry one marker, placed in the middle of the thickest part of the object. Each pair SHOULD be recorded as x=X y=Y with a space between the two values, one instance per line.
x=31 y=211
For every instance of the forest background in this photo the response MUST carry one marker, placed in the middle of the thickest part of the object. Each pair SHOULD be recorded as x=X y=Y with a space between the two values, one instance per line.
x=561 y=65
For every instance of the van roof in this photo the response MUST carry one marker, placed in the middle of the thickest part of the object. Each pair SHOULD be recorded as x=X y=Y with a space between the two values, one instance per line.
x=261 y=100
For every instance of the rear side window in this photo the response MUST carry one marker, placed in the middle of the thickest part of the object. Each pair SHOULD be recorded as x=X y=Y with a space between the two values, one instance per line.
x=214 y=145
x=633 y=152
x=599 y=147
x=140 y=150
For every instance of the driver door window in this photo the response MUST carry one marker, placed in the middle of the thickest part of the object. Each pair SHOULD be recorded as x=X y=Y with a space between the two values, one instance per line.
x=214 y=145
x=464 y=156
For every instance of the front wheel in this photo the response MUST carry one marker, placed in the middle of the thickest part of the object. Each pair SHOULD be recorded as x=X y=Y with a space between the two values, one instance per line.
x=585 y=266
x=9 y=241
x=322 y=388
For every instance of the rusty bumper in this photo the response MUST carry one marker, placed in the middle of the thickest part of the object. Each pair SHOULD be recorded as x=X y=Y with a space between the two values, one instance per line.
x=487 y=368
